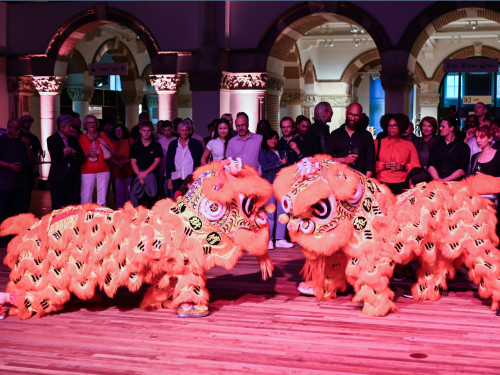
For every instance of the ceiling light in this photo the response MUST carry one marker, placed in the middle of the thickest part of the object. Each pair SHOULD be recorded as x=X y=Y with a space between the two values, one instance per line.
x=325 y=44
x=331 y=44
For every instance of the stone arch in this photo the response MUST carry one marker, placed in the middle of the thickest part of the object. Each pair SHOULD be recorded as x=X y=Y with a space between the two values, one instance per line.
x=78 y=61
x=120 y=53
x=309 y=73
x=291 y=26
x=464 y=53
x=367 y=59
x=438 y=15
x=71 y=32
x=293 y=72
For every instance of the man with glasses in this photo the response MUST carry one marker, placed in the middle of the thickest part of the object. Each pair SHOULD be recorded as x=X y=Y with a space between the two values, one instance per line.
x=14 y=172
x=351 y=145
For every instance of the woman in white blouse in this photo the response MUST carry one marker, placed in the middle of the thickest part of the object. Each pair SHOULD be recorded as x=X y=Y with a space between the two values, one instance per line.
x=216 y=147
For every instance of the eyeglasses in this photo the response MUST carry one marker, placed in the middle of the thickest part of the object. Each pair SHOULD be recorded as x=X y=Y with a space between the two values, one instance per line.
x=392 y=125
x=353 y=115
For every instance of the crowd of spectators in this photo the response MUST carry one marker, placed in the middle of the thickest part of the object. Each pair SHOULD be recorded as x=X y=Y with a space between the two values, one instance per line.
x=143 y=165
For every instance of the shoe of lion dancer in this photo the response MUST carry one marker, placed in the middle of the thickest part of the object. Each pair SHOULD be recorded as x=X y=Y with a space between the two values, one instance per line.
x=284 y=243
x=188 y=310
x=305 y=289
x=270 y=246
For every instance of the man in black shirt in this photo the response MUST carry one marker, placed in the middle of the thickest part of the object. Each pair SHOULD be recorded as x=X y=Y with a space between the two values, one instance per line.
x=449 y=157
x=285 y=143
x=145 y=157
x=317 y=135
x=353 y=146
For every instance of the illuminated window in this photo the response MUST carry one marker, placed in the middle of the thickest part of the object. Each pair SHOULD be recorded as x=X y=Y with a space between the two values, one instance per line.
x=115 y=84
x=451 y=86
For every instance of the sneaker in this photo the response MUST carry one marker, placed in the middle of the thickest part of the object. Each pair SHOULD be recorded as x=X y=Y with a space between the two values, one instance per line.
x=187 y=310
x=305 y=289
x=407 y=294
x=270 y=246
x=284 y=243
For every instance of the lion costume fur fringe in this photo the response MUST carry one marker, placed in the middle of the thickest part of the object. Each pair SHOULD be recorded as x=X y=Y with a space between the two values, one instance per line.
x=353 y=229
x=78 y=248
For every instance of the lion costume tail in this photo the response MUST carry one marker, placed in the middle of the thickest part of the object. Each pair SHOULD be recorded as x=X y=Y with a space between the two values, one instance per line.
x=17 y=224
x=484 y=184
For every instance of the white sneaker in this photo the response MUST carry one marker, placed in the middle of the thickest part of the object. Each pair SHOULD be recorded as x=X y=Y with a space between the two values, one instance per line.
x=284 y=243
x=305 y=289
x=270 y=246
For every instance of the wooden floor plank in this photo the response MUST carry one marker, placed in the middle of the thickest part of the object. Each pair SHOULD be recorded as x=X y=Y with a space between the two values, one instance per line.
x=260 y=328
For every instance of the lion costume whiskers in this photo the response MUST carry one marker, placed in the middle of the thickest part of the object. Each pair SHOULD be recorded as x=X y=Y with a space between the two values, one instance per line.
x=78 y=248
x=353 y=229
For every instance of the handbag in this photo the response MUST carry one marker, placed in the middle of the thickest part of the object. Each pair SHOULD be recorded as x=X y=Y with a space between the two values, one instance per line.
x=106 y=153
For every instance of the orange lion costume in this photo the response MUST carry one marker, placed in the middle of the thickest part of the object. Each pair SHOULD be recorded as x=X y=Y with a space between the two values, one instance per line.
x=78 y=248
x=353 y=229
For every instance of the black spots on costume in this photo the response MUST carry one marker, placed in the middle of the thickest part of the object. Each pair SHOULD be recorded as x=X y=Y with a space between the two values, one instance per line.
x=399 y=247
x=367 y=204
x=214 y=238
x=195 y=222
x=207 y=249
x=188 y=231
x=367 y=234
x=57 y=235
x=360 y=223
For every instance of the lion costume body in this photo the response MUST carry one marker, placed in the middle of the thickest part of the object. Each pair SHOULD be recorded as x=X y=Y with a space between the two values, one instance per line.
x=78 y=248
x=353 y=229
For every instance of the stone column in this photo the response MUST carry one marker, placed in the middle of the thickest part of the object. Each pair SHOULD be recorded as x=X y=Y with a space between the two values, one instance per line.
x=244 y=92
x=49 y=88
x=428 y=99
x=293 y=100
x=397 y=86
x=80 y=95
x=131 y=101
x=396 y=80
x=167 y=87
x=274 y=89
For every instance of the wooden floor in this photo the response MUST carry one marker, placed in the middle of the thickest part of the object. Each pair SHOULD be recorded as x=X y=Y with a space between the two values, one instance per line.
x=257 y=327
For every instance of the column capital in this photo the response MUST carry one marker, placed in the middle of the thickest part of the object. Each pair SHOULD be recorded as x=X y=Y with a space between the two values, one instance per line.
x=337 y=100
x=243 y=81
x=396 y=80
x=20 y=84
x=49 y=84
x=80 y=93
x=132 y=97
x=293 y=97
x=275 y=84
x=429 y=100
x=311 y=100
x=166 y=82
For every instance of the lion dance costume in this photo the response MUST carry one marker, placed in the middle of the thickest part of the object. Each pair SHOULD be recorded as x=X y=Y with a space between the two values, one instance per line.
x=78 y=248
x=353 y=229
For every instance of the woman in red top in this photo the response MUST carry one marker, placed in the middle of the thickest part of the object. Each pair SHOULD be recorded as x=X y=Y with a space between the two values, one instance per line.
x=122 y=170
x=94 y=168
x=396 y=156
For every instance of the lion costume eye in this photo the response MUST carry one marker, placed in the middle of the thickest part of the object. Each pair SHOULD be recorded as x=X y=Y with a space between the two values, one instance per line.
x=212 y=210
x=323 y=209
x=247 y=204
x=286 y=203
x=307 y=226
